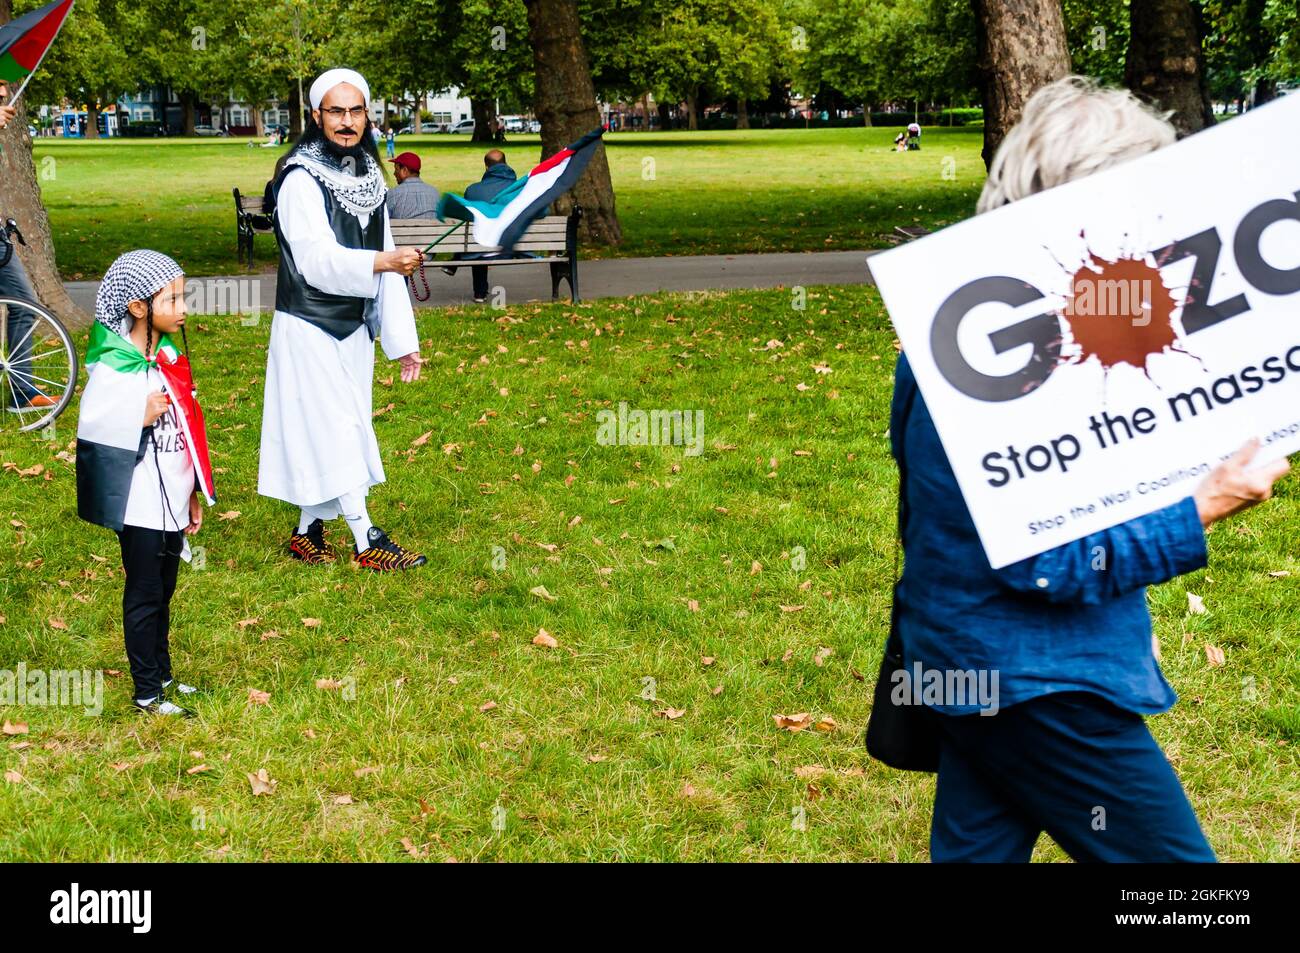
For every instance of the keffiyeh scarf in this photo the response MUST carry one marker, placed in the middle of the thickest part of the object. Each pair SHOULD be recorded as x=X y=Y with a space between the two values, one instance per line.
x=359 y=194
x=135 y=276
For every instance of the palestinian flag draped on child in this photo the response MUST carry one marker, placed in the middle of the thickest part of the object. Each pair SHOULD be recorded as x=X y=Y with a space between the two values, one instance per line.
x=110 y=440
x=502 y=221
x=25 y=40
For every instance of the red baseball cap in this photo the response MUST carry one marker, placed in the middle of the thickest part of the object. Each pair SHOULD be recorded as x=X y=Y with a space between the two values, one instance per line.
x=408 y=159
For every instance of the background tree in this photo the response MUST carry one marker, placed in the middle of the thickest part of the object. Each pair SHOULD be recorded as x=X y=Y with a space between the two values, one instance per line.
x=1022 y=47
x=90 y=64
x=20 y=199
x=565 y=102
x=1097 y=34
x=485 y=46
x=1165 y=64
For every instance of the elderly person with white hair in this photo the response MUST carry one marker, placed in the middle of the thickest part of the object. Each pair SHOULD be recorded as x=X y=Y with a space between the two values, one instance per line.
x=340 y=285
x=1067 y=750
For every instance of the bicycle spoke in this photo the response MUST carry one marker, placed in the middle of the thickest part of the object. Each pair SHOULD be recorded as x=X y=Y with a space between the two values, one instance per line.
x=17 y=346
x=18 y=401
x=36 y=357
x=28 y=378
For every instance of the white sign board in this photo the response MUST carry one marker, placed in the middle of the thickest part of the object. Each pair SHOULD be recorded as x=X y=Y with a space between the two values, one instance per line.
x=1089 y=353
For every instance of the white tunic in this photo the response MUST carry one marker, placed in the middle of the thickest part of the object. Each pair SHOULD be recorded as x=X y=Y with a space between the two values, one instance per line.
x=318 y=441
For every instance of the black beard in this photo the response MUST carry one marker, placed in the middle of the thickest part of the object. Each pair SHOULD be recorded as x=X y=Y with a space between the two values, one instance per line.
x=356 y=152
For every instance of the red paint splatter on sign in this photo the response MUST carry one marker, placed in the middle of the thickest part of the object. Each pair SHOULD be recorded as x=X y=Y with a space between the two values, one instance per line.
x=1119 y=312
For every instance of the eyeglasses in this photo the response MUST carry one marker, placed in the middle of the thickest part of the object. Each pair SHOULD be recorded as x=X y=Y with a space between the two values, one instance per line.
x=338 y=112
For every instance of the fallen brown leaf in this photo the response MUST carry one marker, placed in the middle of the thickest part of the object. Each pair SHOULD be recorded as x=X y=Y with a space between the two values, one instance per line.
x=262 y=783
x=796 y=722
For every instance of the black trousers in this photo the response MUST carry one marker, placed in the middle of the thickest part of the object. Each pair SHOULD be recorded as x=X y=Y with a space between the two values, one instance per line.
x=150 y=558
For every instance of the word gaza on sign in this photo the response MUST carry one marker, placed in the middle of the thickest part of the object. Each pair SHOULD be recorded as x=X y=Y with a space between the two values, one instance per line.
x=1090 y=353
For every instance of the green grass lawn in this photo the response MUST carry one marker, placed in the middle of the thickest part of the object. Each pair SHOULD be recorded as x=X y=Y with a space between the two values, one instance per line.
x=677 y=193
x=649 y=555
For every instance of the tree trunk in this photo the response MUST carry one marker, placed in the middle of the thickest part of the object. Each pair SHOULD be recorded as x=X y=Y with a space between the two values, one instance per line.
x=1165 y=64
x=665 y=116
x=187 y=112
x=92 y=120
x=742 y=113
x=295 y=112
x=692 y=119
x=484 y=113
x=1265 y=90
x=866 y=114
x=259 y=127
x=20 y=199
x=1022 y=47
x=645 y=112
x=566 y=105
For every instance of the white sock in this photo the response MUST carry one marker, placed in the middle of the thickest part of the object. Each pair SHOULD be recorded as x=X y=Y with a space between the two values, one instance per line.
x=304 y=521
x=145 y=701
x=353 y=507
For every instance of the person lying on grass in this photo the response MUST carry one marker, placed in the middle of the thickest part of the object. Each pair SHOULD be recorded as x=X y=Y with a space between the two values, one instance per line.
x=135 y=457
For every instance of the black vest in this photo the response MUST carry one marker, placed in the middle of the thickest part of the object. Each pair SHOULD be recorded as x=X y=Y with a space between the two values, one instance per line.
x=336 y=315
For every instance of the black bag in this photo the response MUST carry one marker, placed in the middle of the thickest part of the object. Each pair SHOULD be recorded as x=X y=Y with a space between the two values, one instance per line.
x=902 y=736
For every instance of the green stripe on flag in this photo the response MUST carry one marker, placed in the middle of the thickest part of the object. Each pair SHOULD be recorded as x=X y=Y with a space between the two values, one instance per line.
x=11 y=70
x=117 y=352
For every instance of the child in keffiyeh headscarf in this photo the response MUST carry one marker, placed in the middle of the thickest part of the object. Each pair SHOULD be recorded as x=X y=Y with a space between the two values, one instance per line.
x=140 y=447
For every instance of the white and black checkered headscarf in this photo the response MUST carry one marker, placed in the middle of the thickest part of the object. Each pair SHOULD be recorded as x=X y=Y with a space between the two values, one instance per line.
x=135 y=276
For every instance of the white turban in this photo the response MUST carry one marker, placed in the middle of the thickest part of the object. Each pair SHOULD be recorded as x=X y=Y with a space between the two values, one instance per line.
x=331 y=78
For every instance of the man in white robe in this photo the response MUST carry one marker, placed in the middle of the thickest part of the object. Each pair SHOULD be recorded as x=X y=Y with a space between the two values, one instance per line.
x=339 y=286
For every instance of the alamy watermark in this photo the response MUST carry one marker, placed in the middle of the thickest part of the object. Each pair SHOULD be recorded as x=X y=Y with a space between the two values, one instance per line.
x=651 y=428
x=950 y=687
x=75 y=688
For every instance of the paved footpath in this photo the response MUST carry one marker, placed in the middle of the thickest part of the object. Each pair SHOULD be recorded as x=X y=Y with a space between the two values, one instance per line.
x=604 y=278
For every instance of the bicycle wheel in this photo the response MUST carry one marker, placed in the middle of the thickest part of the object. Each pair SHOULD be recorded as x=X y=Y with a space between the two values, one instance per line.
x=38 y=365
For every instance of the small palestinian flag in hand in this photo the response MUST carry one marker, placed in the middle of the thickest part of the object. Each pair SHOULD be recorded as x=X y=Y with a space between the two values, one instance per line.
x=25 y=41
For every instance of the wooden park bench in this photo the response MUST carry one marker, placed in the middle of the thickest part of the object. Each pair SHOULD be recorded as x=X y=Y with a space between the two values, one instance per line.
x=552 y=239
x=249 y=220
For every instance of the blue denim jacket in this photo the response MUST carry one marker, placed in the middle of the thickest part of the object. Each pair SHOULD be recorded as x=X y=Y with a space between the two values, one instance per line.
x=1051 y=623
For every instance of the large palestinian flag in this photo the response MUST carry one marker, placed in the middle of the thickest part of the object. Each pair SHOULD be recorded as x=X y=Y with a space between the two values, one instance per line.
x=503 y=220
x=109 y=436
x=25 y=41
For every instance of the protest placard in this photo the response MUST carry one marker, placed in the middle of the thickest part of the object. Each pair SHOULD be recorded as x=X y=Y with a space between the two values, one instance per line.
x=1091 y=352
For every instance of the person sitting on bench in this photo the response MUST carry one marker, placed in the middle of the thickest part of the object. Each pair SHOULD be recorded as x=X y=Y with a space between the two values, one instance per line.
x=497 y=176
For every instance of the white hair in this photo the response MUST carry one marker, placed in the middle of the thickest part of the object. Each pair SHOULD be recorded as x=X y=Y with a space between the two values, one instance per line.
x=1070 y=129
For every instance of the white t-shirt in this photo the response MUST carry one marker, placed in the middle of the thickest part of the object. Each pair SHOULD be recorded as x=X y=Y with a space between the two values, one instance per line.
x=166 y=506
